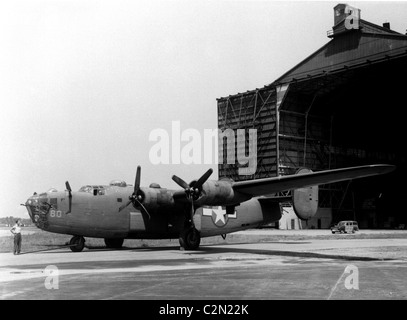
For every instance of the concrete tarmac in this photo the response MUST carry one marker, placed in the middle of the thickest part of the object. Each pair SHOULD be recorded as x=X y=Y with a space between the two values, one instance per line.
x=345 y=268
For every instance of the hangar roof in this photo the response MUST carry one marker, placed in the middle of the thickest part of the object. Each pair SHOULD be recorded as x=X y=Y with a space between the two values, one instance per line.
x=349 y=49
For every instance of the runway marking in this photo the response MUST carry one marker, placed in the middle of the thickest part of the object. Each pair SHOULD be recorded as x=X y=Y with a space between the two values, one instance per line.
x=142 y=289
x=10 y=294
x=336 y=285
x=18 y=274
x=156 y=285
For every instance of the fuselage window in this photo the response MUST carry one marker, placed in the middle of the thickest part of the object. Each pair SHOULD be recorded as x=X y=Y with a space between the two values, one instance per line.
x=98 y=190
x=95 y=190
x=54 y=203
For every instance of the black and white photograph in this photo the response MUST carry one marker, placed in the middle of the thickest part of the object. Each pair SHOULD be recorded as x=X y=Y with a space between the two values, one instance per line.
x=205 y=157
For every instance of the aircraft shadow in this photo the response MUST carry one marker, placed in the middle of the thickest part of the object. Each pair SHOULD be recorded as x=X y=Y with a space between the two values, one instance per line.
x=99 y=249
x=251 y=242
x=136 y=249
x=220 y=248
x=284 y=253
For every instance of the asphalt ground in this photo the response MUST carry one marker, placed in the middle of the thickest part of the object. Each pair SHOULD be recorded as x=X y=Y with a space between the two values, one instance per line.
x=304 y=267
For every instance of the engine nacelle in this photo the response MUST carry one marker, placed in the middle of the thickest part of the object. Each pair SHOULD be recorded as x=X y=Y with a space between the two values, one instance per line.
x=305 y=200
x=220 y=193
x=156 y=197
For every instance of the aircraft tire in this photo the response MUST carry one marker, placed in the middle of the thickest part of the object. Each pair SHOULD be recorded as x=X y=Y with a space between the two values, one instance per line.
x=77 y=243
x=190 y=239
x=115 y=243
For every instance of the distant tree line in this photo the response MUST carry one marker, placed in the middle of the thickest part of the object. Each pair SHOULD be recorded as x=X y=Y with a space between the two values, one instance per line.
x=10 y=221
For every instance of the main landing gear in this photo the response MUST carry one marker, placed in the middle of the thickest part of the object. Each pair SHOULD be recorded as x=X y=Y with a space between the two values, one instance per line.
x=114 y=243
x=77 y=243
x=189 y=239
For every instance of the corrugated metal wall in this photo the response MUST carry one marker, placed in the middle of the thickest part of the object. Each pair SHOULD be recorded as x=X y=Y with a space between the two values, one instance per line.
x=252 y=110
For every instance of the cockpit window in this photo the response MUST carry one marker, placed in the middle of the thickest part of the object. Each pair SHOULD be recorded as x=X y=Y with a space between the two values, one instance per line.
x=118 y=183
x=86 y=189
x=95 y=190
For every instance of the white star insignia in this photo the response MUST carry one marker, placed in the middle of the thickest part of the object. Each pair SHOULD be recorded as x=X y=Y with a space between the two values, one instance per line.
x=220 y=215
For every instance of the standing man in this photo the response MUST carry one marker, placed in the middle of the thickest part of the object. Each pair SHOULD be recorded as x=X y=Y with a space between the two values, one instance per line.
x=16 y=230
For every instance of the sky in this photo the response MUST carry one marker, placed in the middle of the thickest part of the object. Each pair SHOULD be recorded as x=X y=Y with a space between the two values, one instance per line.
x=84 y=83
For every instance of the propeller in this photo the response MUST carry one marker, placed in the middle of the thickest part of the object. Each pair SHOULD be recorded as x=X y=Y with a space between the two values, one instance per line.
x=193 y=190
x=137 y=196
x=68 y=187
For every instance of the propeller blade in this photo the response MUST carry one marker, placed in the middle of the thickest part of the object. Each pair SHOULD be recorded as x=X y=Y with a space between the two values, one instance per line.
x=180 y=182
x=137 y=193
x=193 y=190
x=68 y=187
x=124 y=205
x=143 y=208
x=137 y=182
x=192 y=213
x=203 y=179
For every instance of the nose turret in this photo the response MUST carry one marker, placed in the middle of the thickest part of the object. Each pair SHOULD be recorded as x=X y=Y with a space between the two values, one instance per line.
x=38 y=208
x=31 y=204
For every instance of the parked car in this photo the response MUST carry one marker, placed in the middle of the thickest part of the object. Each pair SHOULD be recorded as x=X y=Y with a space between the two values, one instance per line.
x=345 y=227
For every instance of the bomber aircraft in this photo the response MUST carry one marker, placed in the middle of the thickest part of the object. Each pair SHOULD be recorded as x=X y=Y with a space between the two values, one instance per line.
x=202 y=208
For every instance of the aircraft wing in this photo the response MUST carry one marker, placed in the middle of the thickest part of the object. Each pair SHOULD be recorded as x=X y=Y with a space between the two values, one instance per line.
x=276 y=184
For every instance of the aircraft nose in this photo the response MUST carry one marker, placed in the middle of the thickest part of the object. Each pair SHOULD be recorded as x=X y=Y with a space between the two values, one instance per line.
x=32 y=204
x=38 y=207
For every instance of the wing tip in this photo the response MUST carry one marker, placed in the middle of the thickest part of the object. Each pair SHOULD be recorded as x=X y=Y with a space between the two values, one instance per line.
x=384 y=168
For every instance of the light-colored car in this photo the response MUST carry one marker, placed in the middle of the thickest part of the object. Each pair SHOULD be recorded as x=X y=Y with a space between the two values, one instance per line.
x=346 y=226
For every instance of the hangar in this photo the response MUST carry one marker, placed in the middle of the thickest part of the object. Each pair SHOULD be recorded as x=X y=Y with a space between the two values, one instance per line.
x=339 y=107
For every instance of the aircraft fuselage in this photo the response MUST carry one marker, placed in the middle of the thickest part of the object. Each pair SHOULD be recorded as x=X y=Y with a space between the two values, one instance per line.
x=95 y=213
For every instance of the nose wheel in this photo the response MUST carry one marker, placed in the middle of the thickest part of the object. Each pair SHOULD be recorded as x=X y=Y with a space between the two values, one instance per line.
x=190 y=239
x=77 y=243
